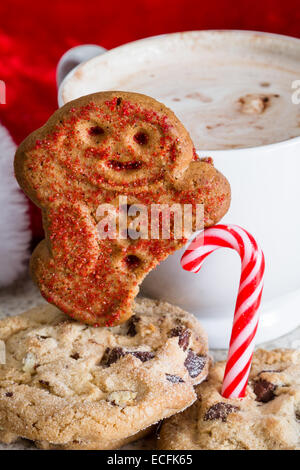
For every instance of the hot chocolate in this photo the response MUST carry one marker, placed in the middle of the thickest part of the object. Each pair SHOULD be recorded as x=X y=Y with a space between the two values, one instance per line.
x=230 y=89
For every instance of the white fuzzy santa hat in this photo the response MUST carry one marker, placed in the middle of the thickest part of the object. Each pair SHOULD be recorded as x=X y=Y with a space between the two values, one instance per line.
x=15 y=234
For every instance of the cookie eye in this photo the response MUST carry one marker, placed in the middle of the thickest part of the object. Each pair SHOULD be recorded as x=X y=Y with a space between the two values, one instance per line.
x=132 y=261
x=141 y=138
x=96 y=130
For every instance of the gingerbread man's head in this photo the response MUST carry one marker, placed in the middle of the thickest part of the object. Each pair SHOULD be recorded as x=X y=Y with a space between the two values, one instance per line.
x=91 y=152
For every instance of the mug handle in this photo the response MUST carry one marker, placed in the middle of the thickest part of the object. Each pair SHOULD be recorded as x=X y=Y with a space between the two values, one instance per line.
x=75 y=56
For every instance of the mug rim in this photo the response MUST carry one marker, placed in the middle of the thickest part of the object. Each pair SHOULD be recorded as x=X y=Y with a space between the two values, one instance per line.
x=269 y=147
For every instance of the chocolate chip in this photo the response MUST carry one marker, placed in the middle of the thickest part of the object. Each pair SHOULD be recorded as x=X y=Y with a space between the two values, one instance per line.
x=9 y=394
x=220 y=411
x=132 y=322
x=175 y=332
x=141 y=138
x=75 y=356
x=119 y=101
x=264 y=390
x=42 y=337
x=143 y=355
x=184 y=336
x=44 y=382
x=96 y=130
x=194 y=363
x=175 y=379
x=298 y=415
x=184 y=339
x=113 y=403
x=113 y=355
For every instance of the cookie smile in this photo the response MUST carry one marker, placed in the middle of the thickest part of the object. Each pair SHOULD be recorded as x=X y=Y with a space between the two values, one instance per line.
x=118 y=165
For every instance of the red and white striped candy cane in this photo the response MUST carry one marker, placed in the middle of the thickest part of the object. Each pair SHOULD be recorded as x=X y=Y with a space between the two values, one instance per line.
x=248 y=300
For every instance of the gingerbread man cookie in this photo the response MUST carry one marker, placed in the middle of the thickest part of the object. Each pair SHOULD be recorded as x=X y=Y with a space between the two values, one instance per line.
x=90 y=152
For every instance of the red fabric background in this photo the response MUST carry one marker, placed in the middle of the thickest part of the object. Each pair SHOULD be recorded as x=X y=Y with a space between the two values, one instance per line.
x=33 y=36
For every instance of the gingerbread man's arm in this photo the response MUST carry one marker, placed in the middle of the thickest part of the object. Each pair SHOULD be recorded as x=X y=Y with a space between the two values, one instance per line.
x=71 y=238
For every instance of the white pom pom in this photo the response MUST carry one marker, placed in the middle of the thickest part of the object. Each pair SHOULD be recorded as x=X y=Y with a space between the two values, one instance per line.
x=15 y=234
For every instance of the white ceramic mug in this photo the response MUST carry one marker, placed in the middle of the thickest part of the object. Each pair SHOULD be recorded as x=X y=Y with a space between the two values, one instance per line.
x=265 y=196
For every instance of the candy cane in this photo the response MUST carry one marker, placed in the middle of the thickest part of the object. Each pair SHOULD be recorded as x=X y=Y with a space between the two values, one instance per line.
x=248 y=300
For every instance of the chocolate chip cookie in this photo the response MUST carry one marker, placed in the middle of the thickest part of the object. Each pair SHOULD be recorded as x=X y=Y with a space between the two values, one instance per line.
x=90 y=153
x=72 y=386
x=267 y=418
